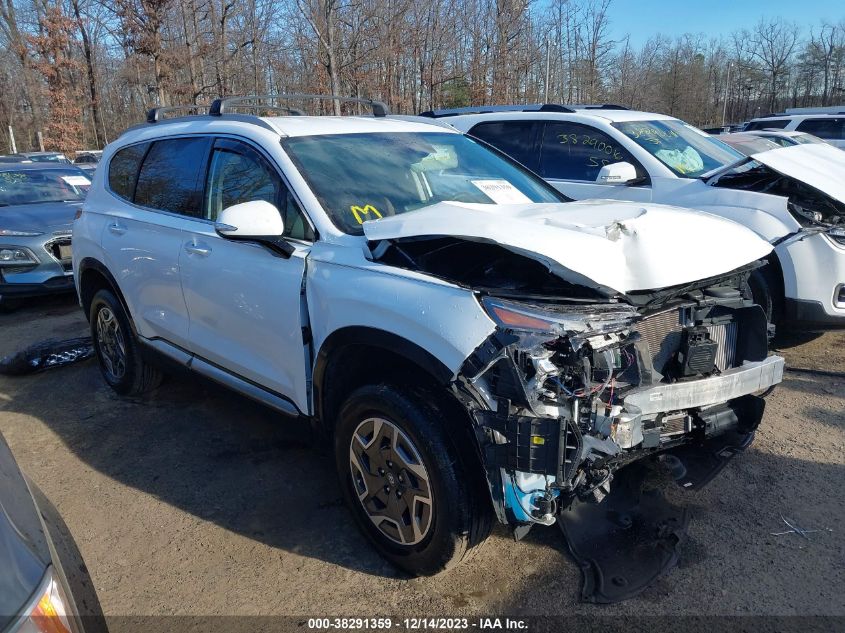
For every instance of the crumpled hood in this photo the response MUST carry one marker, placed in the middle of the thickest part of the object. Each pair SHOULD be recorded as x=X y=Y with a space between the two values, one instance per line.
x=820 y=166
x=46 y=217
x=622 y=246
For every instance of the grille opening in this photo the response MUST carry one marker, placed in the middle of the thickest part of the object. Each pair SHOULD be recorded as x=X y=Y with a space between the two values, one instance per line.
x=664 y=333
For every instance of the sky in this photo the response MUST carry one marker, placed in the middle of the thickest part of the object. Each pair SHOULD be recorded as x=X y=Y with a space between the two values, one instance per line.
x=644 y=18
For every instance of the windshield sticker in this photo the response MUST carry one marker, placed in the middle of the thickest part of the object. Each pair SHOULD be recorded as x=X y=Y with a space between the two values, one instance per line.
x=77 y=181
x=360 y=212
x=501 y=191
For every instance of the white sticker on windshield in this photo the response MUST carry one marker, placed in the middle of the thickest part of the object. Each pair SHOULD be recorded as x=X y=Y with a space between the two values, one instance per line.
x=77 y=181
x=501 y=191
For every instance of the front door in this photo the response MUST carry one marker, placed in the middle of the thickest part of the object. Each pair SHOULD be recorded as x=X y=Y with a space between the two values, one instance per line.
x=244 y=301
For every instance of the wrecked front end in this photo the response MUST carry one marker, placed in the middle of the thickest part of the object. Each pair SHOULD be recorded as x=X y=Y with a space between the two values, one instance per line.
x=565 y=394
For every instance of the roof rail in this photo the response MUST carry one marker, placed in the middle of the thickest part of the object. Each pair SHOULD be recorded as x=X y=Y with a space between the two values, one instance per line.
x=597 y=106
x=534 y=107
x=220 y=106
x=154 y=115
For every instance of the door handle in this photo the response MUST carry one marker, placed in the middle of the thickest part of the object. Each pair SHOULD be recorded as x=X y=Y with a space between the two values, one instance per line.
x=194 y=249
x=117 y=228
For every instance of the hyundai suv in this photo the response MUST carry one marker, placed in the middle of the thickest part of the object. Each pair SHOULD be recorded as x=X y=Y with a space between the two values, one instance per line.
x=473 y=346
x=792 y=197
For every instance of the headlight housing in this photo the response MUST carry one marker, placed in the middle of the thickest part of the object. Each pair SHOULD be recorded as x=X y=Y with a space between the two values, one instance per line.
x=16 y=256
x=50 y=610
x=556 y=321
x=11 y=233
x=837 y=234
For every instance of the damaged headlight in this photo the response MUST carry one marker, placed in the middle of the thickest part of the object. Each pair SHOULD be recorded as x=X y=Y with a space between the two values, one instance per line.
x=556 y=321
x=837 y=234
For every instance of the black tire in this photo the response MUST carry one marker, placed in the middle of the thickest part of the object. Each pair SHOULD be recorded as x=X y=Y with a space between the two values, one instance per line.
x=136 y=375
x=762 y=288
x=460 y=515
x=9 y=305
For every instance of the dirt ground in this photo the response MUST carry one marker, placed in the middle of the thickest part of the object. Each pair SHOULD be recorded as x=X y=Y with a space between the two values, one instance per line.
x=197 y=501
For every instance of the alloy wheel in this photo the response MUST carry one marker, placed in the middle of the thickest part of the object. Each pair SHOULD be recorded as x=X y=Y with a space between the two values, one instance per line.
x=111 y=344
x=391 y=481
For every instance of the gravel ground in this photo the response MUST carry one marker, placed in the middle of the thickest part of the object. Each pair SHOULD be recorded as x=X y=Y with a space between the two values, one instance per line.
x=197 y=501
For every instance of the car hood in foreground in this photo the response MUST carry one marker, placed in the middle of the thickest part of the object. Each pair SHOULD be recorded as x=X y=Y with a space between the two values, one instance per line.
x=24 y=553
x=604 y=244
x=820 y=166
x=43 y=217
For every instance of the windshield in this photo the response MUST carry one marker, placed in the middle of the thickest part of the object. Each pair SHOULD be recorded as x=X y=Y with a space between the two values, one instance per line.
x=686 y=150
x=751 y=144
x=35 y=186
x=48 y=158
x=359 y=177
x=805 y=139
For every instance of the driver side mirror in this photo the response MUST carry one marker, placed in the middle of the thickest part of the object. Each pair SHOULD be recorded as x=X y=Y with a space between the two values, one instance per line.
x=617 y=174
x=254 y=221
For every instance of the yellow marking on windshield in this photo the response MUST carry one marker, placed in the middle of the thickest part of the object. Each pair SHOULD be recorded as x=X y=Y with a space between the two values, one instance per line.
x=359 y=212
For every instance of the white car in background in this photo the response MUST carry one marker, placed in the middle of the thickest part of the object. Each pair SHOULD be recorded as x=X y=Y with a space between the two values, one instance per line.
x=793 y=197
x=786 y=138
x=826 y=123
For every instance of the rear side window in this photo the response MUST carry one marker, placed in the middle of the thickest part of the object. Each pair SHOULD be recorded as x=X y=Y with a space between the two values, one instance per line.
x=123 y=170
x=170 y=176
x=517 y=139
x=572 y=151
x=770 y=124
x=824 y=128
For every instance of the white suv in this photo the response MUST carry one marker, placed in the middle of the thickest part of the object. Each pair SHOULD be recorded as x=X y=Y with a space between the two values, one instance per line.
x=792 y=197
x=829 y=126
x=471 y=346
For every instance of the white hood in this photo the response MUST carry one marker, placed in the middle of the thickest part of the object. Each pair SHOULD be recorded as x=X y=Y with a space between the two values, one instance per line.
x=623 y=246
x=820 y=166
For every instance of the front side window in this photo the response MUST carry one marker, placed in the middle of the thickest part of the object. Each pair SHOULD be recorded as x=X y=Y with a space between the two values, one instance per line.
x=359 y=177
x=686 y=151
x=170 y=176
x=517 y=139
x=831 y=128
x=37 y=186
x=572 y=151
x=239 y=174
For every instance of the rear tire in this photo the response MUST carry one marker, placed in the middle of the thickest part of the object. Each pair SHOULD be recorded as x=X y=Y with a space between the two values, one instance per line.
x=407 y=481
x=121 y=363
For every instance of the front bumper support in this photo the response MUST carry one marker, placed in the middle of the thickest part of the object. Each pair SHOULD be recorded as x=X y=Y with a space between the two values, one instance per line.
x=733 y=383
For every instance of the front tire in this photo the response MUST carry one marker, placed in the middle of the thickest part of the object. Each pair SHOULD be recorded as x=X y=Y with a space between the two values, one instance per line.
x=121 y=362
x=407 y=482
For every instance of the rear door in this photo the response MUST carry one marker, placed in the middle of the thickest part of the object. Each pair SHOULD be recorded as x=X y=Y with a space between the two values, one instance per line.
x=244 y=301
x=158 y=185
x=571 y=156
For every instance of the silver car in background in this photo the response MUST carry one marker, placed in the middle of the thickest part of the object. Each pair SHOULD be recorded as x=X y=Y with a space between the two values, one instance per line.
x=37 y=204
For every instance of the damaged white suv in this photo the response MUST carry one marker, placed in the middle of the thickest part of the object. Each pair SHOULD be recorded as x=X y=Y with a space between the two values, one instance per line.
x=474 y=346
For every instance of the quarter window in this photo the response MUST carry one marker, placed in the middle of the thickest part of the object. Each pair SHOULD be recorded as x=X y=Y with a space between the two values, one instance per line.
x=578 y=152
x=123 y=170
x=517 y=139
x=170 y=177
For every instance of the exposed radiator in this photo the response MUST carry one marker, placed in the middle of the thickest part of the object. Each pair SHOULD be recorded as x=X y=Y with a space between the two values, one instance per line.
x=663 y=331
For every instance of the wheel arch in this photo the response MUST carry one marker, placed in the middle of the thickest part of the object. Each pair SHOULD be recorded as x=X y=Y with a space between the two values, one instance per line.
x=93 y=277
x=355 y=351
